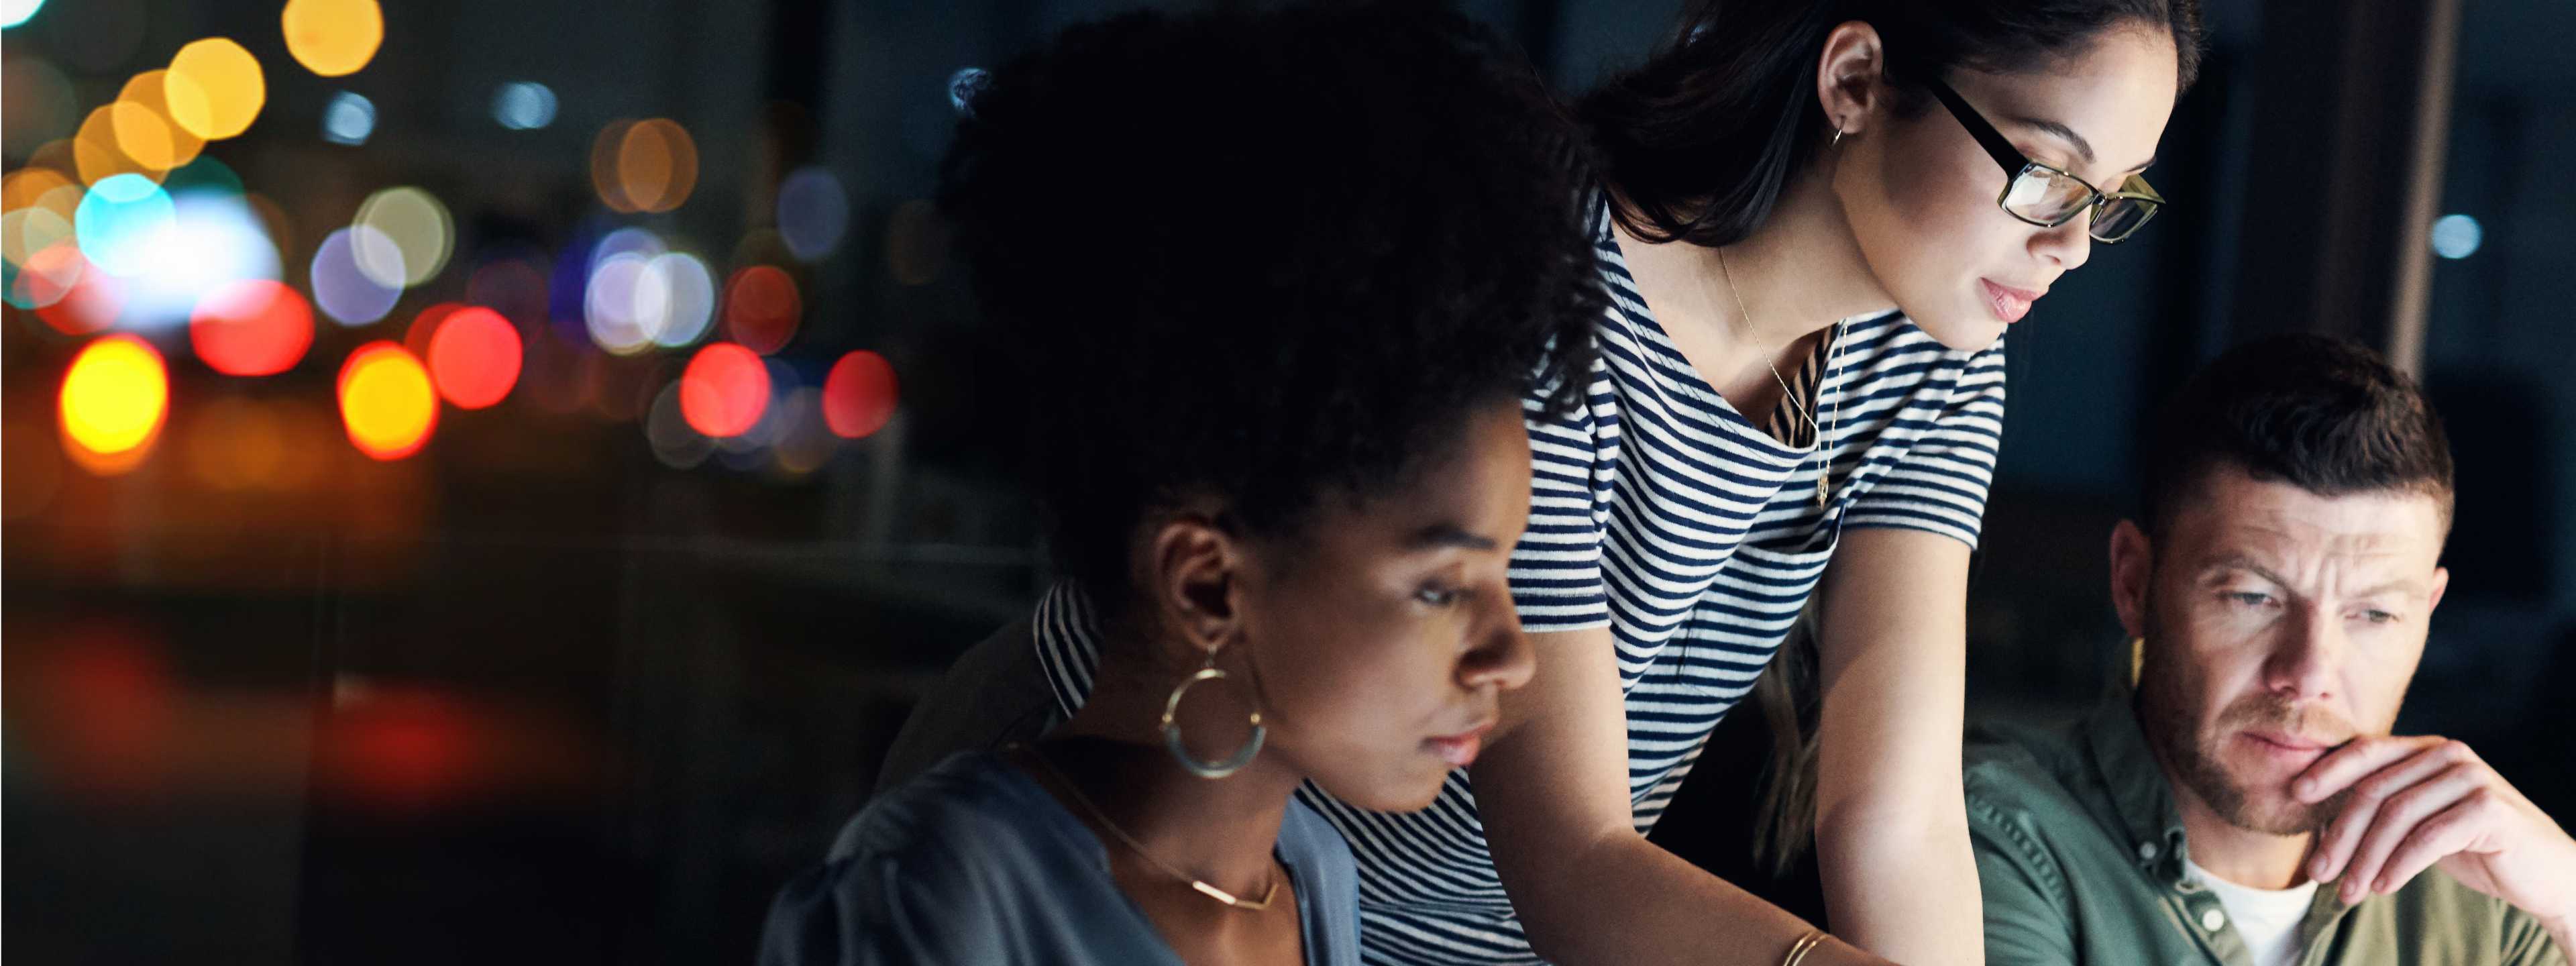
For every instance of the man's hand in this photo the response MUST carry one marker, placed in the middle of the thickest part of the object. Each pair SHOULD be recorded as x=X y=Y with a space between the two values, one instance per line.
x=2420 y=800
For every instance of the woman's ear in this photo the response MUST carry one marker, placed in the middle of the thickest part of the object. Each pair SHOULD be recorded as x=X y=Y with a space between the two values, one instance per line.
x=1848 y=75
x=1194 y=581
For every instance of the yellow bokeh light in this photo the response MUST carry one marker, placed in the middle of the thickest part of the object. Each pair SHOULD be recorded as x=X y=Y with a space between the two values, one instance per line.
x=215 y=88
x=98 y=150
x=333 y=38
x=33 y=187
x=147 y=133
x=113 y=402
x=387 y=401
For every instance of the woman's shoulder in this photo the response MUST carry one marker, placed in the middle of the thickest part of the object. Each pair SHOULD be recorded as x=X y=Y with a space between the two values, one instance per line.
x=972 y=796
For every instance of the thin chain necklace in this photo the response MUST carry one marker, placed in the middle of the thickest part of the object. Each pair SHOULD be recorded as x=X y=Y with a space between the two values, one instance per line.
x=1824 y=478
x=1220 y=895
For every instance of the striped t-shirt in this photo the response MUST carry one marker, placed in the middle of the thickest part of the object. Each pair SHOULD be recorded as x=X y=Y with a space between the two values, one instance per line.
x=1694 y=535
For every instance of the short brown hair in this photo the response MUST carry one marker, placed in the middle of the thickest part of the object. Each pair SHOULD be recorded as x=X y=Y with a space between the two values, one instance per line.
x=2326 y=415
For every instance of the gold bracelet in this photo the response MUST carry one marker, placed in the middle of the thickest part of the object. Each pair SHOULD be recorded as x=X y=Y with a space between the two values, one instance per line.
x=1806 y=944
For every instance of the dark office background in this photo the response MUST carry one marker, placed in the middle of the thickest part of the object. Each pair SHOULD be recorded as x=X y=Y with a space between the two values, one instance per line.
x=575 y=683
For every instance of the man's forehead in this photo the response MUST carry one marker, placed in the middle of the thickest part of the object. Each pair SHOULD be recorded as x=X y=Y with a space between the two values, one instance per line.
x=2240 y=515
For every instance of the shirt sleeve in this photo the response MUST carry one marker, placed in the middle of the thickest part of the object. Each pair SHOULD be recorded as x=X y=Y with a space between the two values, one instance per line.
x=1939 y=484
x=1556 y=568
x=882 y=908
x=2528 y=943
x=2028 y=922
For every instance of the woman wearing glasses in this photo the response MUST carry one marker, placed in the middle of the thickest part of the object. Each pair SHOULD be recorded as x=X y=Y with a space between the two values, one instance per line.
x=1818 y=219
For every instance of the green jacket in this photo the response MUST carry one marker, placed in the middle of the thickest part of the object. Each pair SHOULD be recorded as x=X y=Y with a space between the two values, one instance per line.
x=2080 y=855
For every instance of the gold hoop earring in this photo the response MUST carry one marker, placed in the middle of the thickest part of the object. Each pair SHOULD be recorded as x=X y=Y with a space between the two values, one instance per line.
x=1172 y=729
x=2137 y=658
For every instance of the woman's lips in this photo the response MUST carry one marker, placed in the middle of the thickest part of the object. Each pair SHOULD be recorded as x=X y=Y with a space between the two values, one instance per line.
x=1460 y=749
x=2009 y=303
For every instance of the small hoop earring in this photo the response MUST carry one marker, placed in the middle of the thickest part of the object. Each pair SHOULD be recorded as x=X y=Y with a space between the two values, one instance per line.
x=1172 y=729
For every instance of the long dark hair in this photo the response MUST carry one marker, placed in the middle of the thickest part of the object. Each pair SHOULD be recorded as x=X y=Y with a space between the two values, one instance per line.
x=1701 y=139
x=1699 y=142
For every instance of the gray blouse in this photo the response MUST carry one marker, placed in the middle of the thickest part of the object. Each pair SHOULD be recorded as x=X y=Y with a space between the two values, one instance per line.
x=974 y=862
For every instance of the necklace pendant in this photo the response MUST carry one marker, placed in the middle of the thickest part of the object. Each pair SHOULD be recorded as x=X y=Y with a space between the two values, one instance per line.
x=1824 y=492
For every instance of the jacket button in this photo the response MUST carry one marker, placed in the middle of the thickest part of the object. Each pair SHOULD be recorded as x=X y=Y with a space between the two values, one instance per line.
x=2212 y=920
x=2147 y=850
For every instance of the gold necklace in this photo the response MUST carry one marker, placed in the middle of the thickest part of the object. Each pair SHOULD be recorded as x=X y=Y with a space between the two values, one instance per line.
x=1220 y=895
x=1815 y=433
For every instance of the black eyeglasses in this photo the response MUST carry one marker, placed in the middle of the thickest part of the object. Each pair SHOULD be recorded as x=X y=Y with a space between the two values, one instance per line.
x=2046 y=195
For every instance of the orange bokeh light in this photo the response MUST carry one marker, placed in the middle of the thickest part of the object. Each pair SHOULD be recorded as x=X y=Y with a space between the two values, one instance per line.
x=253 y=327
x=644 y=166
x=150 y=136
x=474 y=358
x=114 y=399
x=761 y=308
x=333 y=37
x=724 y=390
x=386 y=401
x=859 y=395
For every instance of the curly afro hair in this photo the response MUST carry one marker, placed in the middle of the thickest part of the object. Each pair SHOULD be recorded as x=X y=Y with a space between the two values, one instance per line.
x=1266 y=257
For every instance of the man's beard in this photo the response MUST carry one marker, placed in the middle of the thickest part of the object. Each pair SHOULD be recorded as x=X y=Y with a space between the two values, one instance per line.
x=2168 y=713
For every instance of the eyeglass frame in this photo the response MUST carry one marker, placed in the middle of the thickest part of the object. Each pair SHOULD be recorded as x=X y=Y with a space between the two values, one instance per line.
x=2016 y=164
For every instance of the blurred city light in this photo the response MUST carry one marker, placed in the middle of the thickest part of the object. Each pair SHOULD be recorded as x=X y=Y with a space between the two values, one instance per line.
x=646 y=166
x=2457 y=236
x=676 y=299
x=412 y=238
x=523 y=106
x=349 y=119
x=761 y=308
x=386 y=401
x=859 y=395
x=120 y=220
x=254 y=327
x=333 y=38
x=15 y=12
x=114 y=399
x=474 y=357
x=813 y=212
x=724 y=390
x=342 y=289
x=148 y=134
x=215 y=88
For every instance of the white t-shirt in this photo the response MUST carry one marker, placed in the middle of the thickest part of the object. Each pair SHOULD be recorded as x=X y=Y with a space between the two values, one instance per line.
x=2267 y=919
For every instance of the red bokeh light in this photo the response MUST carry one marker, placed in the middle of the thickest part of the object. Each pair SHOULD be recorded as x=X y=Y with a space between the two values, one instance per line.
x=417 y=335
x=93 y=303
x=724 y=390
x=474 y=357
x=860 y=394
x=761 y=308
x=253 y=327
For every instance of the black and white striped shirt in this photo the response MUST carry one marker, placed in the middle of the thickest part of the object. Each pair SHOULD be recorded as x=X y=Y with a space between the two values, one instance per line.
x=1694 y=535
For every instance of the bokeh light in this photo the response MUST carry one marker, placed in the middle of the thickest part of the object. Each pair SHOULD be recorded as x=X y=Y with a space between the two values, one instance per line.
x=15 y=12
x=387 y=401
x=813 y=212
x=333 y=38
x=349 y=119
x=412 y=238
x=676 y=300
x=215 y=88
x=149 y=136
x=343 y=290
x=115 y=397
x=120 y=220
x=644 y=166
x=94 y=300
x=675 y=443
x=424 y=327
x=213 y=240
x=859 y=394
x=98 y=152
x=48 y=273
x=474 y=358
x=761 y=308
x=2457 y=236
x=254 y=327
x=615 y=301
x=523 y=106
x=36 y=101
x=724 y=390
